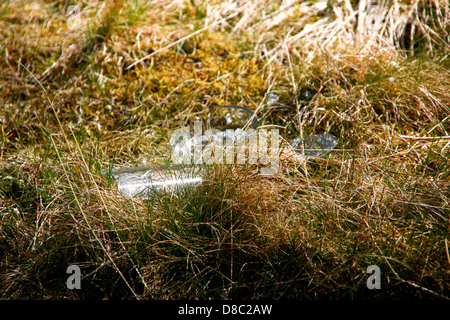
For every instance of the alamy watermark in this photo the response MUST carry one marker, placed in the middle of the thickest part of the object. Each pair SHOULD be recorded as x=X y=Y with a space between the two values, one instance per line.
x=74 y=280
x=77 y=17
x=374 y=280
x=232 y=146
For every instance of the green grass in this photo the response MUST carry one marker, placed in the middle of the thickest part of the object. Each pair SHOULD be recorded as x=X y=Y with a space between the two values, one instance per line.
x=70 y=107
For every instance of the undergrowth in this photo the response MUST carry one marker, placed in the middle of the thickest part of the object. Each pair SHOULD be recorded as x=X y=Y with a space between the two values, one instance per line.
x=108 y=92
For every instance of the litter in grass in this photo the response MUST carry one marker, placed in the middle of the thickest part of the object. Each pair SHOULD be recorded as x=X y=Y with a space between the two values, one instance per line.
x=314 y=146
x=144 y=182
x=231 y=117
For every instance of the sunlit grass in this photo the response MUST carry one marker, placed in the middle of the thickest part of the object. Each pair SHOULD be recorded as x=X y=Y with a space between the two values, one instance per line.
x=71 y=106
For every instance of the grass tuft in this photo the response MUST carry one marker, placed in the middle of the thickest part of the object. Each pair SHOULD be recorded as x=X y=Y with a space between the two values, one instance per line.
x=110 y=92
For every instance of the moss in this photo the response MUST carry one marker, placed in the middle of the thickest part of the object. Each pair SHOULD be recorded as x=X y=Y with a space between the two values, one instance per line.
x=308 y=232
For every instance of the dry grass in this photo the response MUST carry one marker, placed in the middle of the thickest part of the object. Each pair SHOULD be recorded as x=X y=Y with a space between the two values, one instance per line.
x=110 y=92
